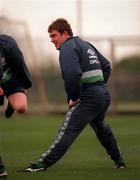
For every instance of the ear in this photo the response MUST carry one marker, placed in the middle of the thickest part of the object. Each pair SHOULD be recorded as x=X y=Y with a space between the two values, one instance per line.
x=65 y=33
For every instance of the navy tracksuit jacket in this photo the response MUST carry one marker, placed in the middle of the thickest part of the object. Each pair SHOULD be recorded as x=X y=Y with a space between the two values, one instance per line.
x=15 y=60
x=85 y=72
x=12 y=65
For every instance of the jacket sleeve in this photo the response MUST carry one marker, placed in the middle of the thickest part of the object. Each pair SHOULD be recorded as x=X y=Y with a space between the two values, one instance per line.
x=16 y=60
x=105 y=64
x=1 y=71
x=71 y=71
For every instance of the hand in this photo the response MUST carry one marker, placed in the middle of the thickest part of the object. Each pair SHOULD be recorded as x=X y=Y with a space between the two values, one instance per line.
x=73 y=103
x=1 y=91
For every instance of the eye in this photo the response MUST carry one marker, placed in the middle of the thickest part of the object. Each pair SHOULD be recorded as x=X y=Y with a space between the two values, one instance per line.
x=52 y=36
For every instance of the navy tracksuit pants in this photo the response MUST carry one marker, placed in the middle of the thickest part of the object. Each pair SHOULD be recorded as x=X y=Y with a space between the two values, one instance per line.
x=90 y=112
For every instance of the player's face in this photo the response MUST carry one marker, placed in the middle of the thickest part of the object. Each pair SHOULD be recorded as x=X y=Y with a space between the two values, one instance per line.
x=57 y=38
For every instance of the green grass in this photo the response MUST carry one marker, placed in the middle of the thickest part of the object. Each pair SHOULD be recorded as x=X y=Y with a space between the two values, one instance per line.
x=23 y=139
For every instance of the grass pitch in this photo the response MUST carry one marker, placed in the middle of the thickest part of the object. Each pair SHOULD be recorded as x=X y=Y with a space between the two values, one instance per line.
x=23 y=139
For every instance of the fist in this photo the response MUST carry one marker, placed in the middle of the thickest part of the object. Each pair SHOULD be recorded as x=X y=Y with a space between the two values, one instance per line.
x=1 y=91
x=73 y=103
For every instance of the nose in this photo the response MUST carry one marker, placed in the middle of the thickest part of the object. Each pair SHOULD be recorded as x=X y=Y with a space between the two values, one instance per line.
x=52 y=40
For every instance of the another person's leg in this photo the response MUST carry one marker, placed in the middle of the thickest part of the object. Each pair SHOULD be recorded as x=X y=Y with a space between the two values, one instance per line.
x=18 y=101
x=3 y=172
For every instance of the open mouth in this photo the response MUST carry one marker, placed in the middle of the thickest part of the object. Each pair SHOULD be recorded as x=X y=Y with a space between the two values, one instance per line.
x=55 y=44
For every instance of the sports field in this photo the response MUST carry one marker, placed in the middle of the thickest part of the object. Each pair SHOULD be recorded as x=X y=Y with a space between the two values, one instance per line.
x=23 y=139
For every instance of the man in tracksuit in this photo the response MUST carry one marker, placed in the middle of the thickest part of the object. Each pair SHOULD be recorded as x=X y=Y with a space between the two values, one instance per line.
x=15 y=79
x=85 y=72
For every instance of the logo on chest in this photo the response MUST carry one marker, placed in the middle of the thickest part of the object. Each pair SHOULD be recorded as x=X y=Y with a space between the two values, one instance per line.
x=93 y=59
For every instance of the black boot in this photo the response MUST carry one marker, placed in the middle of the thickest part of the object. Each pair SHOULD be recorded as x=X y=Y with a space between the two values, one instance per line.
x=119 y=163
x=9 y=111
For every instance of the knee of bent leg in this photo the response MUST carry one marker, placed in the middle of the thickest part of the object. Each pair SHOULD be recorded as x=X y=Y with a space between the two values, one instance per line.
x=21 y=108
